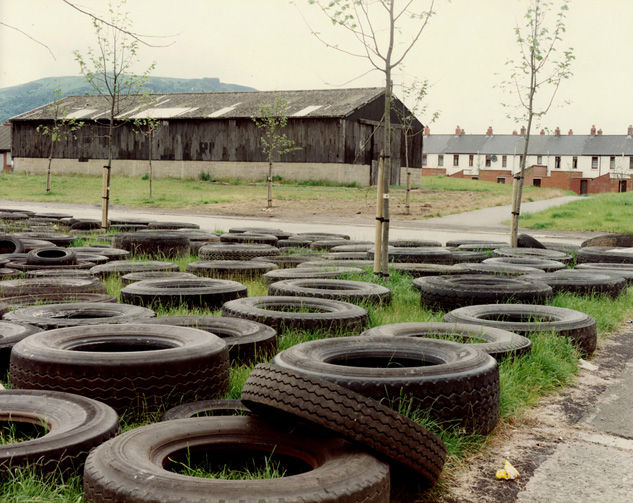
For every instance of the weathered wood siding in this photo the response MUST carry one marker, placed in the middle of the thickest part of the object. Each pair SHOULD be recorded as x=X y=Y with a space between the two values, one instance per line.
x=325 y=140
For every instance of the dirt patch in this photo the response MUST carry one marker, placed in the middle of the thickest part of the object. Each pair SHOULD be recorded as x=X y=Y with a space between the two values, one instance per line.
x=531 y=438
x=361 y=204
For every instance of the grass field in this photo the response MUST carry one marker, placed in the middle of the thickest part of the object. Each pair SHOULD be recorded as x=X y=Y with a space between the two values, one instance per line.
x=550 y=366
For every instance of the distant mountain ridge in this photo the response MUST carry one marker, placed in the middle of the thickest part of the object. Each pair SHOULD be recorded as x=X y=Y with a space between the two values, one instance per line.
x=16 y=100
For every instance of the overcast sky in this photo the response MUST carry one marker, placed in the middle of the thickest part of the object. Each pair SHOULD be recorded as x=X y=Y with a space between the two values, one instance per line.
x=266 y=44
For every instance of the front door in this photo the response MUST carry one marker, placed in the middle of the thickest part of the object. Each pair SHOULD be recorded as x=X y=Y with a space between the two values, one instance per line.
x=583 y=187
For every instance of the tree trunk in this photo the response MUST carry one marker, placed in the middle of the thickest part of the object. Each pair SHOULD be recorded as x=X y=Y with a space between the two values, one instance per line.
x=48 y=172
x=151 y=134
x=379 y=217
x=106 y=177
x=270 y=181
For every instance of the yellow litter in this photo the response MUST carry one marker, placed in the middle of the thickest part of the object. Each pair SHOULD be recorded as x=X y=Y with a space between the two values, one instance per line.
x=509 y=472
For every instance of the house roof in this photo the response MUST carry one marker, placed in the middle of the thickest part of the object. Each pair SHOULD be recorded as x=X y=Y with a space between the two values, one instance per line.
x=5 y=138
x=539 y=144
x=228 y=105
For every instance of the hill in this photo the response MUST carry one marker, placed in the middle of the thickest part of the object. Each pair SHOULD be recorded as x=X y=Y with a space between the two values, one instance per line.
x=19 y=99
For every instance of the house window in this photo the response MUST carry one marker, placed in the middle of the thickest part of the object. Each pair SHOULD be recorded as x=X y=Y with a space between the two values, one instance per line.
x=557 y=162
x=424 y=160
x=488 y=161
x=539 y=159
x=501 y=179
x=612 y=162
x=594 y=163
x=455 y=160
x=520 y=160
x=440 y=160
x=471 y=160
x=630 y=162
x=574 y=162
x=504 y=161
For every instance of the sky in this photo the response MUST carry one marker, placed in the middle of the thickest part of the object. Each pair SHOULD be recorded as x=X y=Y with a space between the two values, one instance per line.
x=269 y=45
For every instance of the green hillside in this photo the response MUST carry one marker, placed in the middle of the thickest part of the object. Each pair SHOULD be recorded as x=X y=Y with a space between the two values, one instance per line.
x=19 y=99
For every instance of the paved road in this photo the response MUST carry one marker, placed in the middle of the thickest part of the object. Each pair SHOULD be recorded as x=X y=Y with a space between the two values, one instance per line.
x=479 y=224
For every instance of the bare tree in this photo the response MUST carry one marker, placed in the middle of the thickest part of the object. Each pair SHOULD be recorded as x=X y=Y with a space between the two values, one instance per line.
x=271 y=120
x=59 y=130
x=384 y=50
x=108 y=70
x=537 y=71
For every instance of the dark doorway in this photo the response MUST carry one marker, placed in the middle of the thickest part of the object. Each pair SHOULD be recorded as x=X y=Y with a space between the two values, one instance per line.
x=536 y=182
x=622 y=186
x=583 y=187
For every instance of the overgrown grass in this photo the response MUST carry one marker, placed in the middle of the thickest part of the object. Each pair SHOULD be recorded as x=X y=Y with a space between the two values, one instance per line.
x=550 y=365
x=599 y=213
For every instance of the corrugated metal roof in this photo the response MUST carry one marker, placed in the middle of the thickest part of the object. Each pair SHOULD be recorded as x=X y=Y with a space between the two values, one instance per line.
x=243 y=104
x=539 y=144
x=5 y=138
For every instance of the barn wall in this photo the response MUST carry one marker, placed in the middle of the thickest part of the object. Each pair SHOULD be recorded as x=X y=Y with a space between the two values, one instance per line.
x=339 y=173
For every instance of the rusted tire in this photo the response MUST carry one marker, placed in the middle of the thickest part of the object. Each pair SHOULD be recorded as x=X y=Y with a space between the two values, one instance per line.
x=461 y=386
x=336 y=289
x=16 y=287
x=450 y=292
x=52 y=316
x=274 y=391
x=75 y=426
x=247 y=340
x=131 y=367
x=526 y=319
x=496 y=342
x=290 y=313
x=203 y=408
x=51 y=256
x=191 y=292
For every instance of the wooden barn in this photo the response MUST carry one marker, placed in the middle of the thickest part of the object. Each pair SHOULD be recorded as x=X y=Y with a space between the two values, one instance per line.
x=338 y=131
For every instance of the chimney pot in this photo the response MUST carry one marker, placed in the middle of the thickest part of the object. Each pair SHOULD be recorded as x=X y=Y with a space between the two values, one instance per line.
x=427 y=130
x=514 y=133
x=629 y=131
x=557 y=131
x=458 y=130
x=592 y=131
x=599 y=132
x=523 y=130
x=570 y=132
x=489 y=131
x=542 y=132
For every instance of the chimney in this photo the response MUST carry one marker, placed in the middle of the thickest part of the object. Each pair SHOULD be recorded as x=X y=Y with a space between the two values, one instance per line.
x=629 y=131
x=463 y=132
x=557 y=131
x=514 y=133
x=542 y=132
x=570 y=132
x=458 y=131
x=523 y=130
x=592 y=131
x=427 y=130
x=599 y=132
x=489 y=131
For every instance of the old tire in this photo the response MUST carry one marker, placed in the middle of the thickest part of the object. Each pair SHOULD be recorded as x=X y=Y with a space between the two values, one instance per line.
x=236 y=251
x=247 y=340
x=461 y=385
x=223 y=269
x=134 y=277
x=121 y=267
x=76 y=425
x=280 y=313
x=10 y=335
x=202 y=408
x=10 y=244
x=335 y=289
x=131 y=468
x=154 y=245
x=605 y=254
x=73 y=314
x=450 y=292
x=497 y=342
x=194 y=292
x=21 y=301
x=581 y=282
x=326 y=271
x=131 y=367
x=526 y=319
x=532 y=253
x=537 y=263
x=51 y=256
x=610 y=240
x=15 y=287
x=271 y=390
